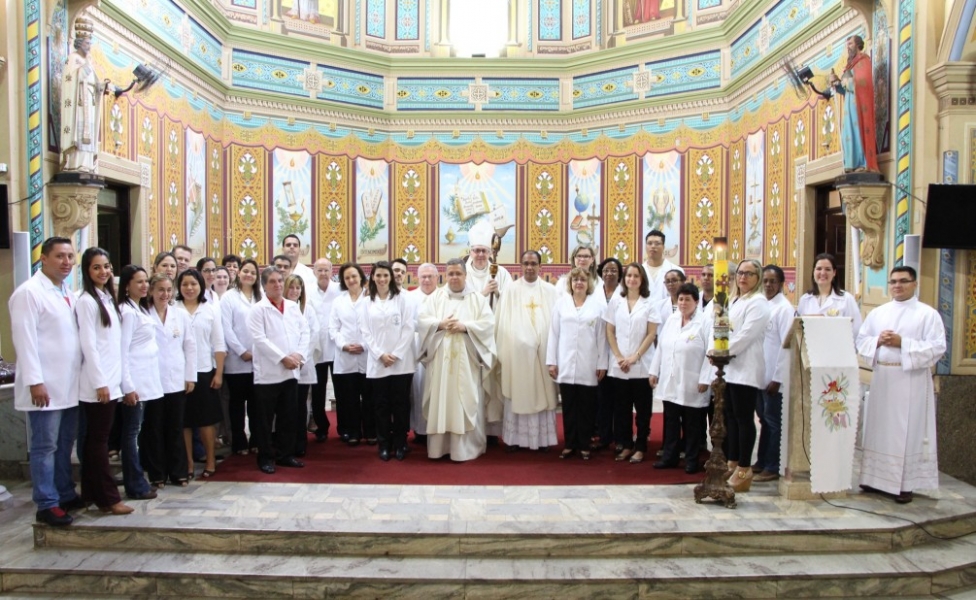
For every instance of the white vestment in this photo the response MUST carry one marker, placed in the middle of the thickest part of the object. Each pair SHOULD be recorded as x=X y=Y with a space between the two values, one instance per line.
x=522 y=336
x=81 y=114
x=477 y=280
x=457 y=367
x=417 y=422
x=899 y=423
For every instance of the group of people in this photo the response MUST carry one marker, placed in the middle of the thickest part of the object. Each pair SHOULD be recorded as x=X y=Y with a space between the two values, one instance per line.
x=483 y=358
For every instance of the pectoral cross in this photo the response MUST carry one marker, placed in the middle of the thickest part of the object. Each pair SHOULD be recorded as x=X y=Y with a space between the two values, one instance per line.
x=532 y=306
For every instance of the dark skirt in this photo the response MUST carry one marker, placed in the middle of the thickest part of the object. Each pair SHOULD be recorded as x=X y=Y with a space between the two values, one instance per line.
x=203 y=404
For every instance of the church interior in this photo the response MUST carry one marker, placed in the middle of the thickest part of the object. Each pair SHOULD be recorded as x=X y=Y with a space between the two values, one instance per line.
x=375 y=129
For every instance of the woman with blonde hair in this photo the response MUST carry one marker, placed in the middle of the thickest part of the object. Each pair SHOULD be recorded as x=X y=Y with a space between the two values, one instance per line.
x=307 y=377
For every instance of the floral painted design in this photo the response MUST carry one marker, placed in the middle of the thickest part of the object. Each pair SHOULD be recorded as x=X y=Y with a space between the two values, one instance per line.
x=833 y=401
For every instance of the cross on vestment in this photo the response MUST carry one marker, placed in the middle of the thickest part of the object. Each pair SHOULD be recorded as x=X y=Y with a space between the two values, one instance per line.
x=532 y=306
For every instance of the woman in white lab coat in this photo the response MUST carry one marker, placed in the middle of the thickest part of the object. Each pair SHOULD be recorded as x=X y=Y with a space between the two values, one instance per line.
x=386 y=322
x=825 y=297
x=680 y=376
x=140 y=375
x=235 y=306
x=355 y=416
x=100 y=380
x=576 y=357
x=307 y=377
x=161 y=444
x=748 y=317
x=632 y=320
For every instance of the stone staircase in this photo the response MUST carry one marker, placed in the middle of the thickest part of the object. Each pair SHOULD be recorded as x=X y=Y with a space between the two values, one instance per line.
x=302 y=541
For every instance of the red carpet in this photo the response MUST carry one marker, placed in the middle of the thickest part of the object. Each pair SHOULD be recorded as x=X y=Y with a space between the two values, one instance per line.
x=335 y=462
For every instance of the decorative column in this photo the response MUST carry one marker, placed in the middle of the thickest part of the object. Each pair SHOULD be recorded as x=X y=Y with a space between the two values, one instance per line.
x=74 y=207
x=617 y=36
x=443 y=45
x=512 y=46
x=866 y=205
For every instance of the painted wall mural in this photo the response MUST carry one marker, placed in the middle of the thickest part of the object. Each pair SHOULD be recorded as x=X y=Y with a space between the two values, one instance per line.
x=755 y=192
x=372 y=210
x=662 y=201
x=293 y=199
x=195 y=193
x=585 y=201
x=471 y=193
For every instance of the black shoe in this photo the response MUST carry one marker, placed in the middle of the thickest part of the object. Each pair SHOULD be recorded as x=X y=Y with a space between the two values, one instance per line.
x=419 y=438
x=300 y=454
x=267 y=468
x=664 y=465
x=290 y=462
x=344 y=438
x=372 y=441
x=384 y=455
x=353 y=442
x=55 y=517
x=321 y=437
x=492 y=440
x=401 y=454
x=904 y=498
x=692 y=469
x=147 y=496
x=75 y=503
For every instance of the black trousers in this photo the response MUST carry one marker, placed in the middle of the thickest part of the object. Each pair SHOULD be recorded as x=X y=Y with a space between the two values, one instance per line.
x=241 y=389
x=579 y=414
x=355 y=405
x=683 y=421
x=97 y=481
x=273 y=406
x=391 y=402
x=162 y=449
x=632 y=395
x=300 y=415
x=604 y=411
x=319 y=415
x=740 y=408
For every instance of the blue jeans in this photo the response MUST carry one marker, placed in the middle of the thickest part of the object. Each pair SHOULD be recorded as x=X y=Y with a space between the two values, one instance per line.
x=53 y=434
x=133 y=479
x=770 y=412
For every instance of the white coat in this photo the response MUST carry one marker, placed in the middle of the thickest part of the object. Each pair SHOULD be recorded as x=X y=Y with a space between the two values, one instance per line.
x=140 y=354
x=344 y=330
x=234 y=308
x=835 y=306
x=748 y=319
x=322 y=303
x=656 y=284
x=307 y=375
x=177 y=349
x=631 y=327
x=388 y=327
x=45 y=338
x=209 y=333
x=680 y=364
x=777 y=358
x=577 y=343
x=101 y=348
x=277 y=334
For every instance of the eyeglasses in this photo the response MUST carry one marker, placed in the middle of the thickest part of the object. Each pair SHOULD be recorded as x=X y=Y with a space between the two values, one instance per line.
x=479 y=251
x=900 y=281
x=208 y=271
x=746 y=274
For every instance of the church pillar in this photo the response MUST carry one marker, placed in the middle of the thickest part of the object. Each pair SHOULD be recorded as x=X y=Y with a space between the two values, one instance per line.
x=443 y=45
x=74 y=207
x=866 y=206
x=617 y=36
x=512 y=46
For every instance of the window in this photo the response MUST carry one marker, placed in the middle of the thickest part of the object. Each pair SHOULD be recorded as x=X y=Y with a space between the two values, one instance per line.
x=478 y=27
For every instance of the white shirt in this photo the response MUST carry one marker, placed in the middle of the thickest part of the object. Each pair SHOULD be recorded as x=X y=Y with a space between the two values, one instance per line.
x=308 y=375
x=680 y=364
x=140 y=354
x=777 y=357
x=276 y=335
x=46 y=341
x=209 y=333
x=387 y=327
x=656 y=283
x=344 y=330
x=834 y=306
x=577 y=343
x=631 y=328
x=307 y=275
x=748 y=319
x=101 y=348
x=322 y=303
x=177 y=349
x=237 y=337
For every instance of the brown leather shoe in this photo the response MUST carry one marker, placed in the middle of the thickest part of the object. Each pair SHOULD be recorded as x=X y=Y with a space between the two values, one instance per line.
x=765 y=476
x=116 y=509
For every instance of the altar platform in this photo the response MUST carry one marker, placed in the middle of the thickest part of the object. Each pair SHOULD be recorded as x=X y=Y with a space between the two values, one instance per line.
x=256 y=540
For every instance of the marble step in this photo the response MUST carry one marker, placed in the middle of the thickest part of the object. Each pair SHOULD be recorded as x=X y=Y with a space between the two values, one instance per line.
x=922 y=571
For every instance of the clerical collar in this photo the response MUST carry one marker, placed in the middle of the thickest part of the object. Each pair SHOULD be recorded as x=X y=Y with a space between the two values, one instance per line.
x=477 y=270
x=530 y=283
x=452 y=294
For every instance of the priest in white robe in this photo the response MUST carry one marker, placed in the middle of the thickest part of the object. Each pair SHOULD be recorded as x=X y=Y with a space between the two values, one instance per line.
x=457 y=348
x=522 y=335
x=902 y=340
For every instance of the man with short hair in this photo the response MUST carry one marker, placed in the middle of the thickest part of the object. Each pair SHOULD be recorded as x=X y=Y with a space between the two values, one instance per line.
x=707 y=286
x=902 y=339
x=291 y=247
x=655 y=265
x=283 y=264
x=769 y=405
x=45 y=338
x=457 y=346
x=399 y=267
x=427 y=274
x=281 y=341
x=522 y=335
x=184 y=257
x=321 y=297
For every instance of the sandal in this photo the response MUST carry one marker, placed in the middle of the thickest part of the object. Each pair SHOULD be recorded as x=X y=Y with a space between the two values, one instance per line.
x=585 y=455
x=157 y=484
x=624 y=455
x=567 y=453
x=183 y=482
x=637 y=458
x=208 y=473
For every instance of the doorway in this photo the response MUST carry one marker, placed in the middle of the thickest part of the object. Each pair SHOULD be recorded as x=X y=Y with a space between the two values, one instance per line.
x=114 y=232
x=832 y=228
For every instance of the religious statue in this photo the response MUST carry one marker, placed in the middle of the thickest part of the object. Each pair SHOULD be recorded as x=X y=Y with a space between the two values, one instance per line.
x=82 y=95
x=305 y=10
x=858 y=140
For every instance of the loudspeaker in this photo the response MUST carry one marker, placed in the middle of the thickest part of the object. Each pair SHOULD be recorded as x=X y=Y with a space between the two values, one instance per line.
x=4 y=219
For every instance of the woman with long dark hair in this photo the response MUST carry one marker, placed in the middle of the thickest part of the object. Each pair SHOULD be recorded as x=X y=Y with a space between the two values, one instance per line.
x=100 y=380
x=825 y=296
x=238 y=367
x=355 y=418
x=161 y=443
x=387 y=322
x=203 y=408
x=140 y=375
